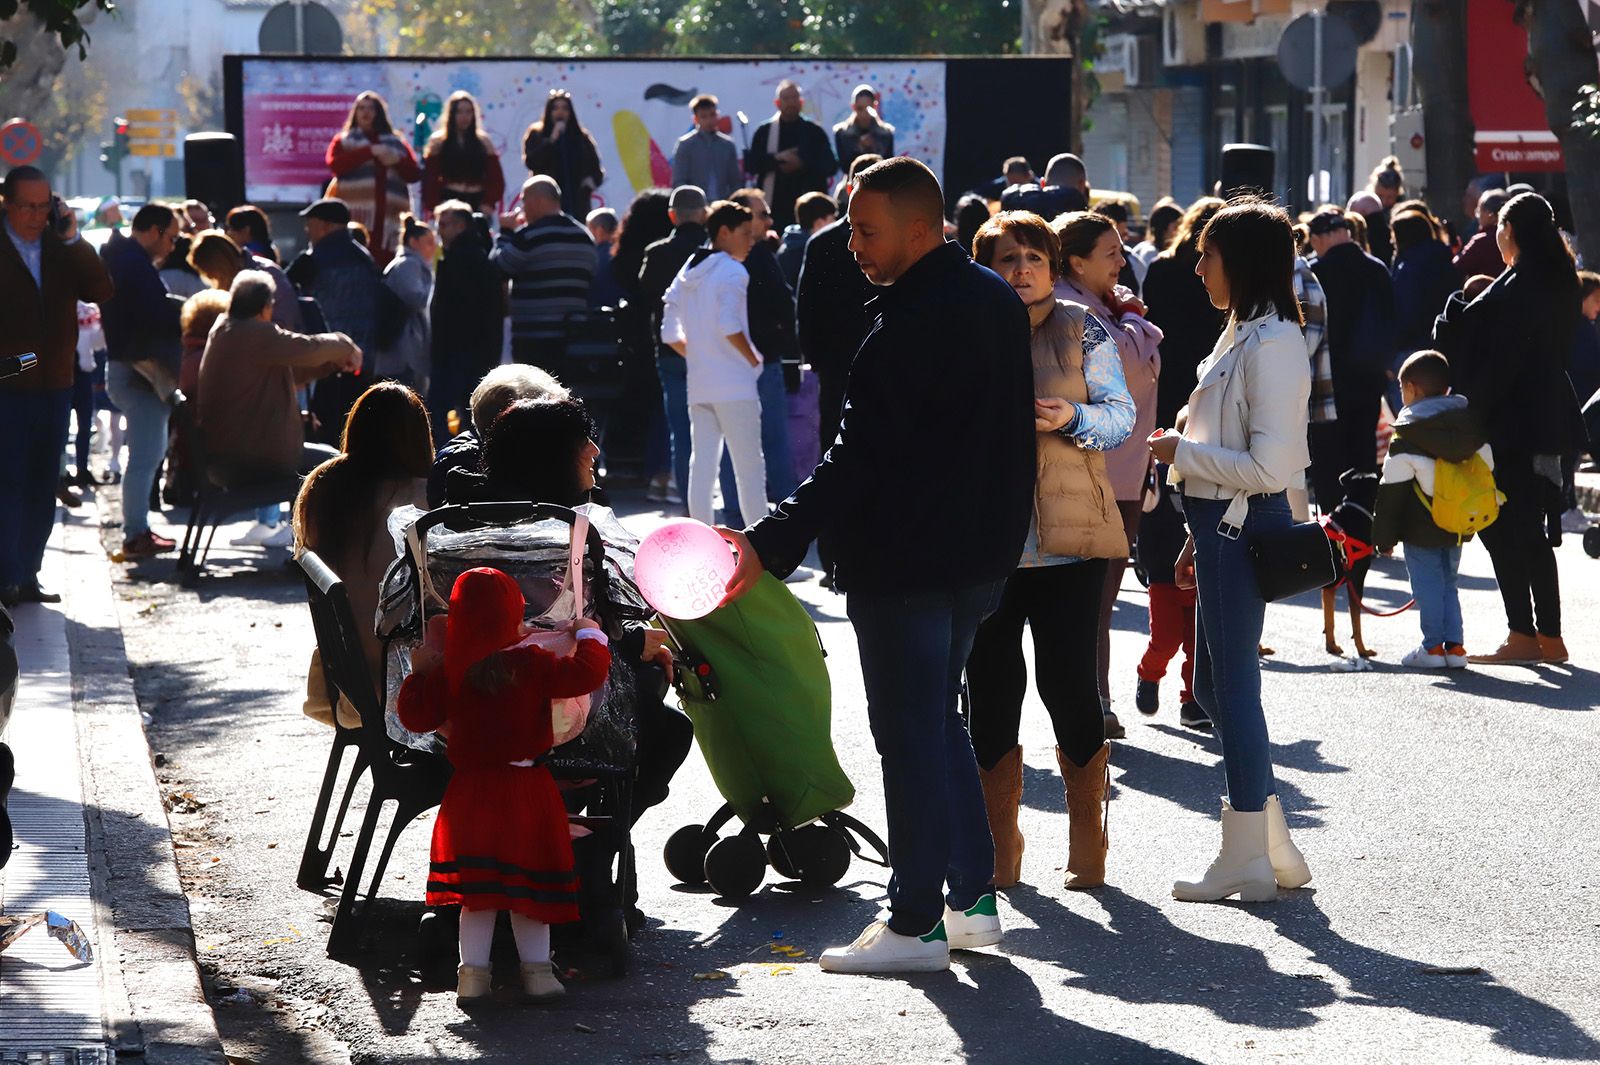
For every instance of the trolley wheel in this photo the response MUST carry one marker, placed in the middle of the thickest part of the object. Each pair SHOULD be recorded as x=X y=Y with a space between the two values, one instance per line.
x=685 y=854
x=781 y=854
x=827 y=855
x=736 y=865
x=1591 y=541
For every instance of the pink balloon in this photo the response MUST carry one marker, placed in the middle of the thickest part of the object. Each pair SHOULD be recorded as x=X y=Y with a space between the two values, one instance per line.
x=682 y=568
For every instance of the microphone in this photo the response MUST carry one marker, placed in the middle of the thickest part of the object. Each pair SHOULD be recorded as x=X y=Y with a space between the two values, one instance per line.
x=11 y=365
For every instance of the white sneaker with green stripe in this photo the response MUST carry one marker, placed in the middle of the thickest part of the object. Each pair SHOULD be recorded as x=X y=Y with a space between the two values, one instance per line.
x=879 y=950
x=978 y=926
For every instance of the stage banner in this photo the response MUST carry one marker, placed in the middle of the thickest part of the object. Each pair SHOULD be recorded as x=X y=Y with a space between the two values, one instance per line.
x=636 y=109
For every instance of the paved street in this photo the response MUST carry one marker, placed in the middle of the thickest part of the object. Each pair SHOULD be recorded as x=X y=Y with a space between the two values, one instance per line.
x=1449 y=821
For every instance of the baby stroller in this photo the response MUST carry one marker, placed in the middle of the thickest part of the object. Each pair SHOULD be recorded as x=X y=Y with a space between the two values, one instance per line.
x=568 y=563
x=752 y=678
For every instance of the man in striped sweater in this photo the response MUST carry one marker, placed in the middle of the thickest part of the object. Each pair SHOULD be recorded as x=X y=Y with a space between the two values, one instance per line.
x=550 y=259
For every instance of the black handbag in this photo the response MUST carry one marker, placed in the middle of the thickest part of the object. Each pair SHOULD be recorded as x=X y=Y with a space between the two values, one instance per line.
x=1297 y=559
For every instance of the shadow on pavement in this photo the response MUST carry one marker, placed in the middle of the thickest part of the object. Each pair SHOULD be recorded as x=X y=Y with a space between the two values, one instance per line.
x=1389 y=981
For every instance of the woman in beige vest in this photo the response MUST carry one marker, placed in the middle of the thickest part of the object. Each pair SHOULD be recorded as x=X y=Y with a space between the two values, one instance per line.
x=1082 y=409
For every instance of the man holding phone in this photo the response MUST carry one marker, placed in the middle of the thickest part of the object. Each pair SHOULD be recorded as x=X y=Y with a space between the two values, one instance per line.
x=44 y=271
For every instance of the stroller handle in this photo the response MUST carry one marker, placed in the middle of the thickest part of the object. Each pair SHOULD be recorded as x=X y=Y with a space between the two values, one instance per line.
x=501 y=513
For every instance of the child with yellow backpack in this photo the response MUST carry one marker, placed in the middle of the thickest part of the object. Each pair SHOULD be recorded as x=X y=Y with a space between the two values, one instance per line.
x=1437 y=490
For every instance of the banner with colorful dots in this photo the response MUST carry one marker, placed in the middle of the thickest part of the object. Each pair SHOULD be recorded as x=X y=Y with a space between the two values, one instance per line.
x=290 y=108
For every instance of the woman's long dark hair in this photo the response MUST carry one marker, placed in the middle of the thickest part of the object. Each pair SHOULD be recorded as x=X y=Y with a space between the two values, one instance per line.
x=531 y=451
x=380 y=121
x=644 y=222
x=1256 y=242
x=457 y=152
x=1185 y=244
x=387 y=437
x=253 y=219
x=545 y=122
x=972 y=211
x=1542 y=251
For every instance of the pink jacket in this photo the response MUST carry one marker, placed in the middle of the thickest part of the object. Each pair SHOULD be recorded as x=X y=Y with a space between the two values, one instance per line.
x=1138 y=342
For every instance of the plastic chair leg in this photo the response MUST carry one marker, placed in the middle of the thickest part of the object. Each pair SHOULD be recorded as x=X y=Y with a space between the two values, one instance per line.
x=348 y=919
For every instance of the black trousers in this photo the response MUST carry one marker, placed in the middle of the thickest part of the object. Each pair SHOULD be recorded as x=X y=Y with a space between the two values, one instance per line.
x=1061 y=605
x=1357 y=405
x=1524 y=561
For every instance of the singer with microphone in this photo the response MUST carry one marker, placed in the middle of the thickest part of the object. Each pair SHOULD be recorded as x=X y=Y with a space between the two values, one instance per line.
x=45 y=269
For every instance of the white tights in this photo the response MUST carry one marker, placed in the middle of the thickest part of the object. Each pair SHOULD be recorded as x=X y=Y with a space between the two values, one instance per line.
x=477 y=935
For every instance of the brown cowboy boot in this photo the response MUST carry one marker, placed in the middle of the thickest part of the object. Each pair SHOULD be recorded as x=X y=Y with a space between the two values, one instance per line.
x=1088 y=818
x=1002 y=795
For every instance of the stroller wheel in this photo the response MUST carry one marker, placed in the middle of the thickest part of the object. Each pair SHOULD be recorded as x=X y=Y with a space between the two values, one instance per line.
x=736 y=865
x=1591 y=541
x=685 y=854
x=815 y=854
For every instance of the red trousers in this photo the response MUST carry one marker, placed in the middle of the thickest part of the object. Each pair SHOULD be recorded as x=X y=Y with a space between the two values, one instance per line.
x=1171 y=627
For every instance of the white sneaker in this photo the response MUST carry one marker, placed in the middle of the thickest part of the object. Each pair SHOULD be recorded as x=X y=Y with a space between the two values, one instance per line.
x=255 y=536
x=975 y=927
x=878 y=950
x=1575 y=521
x=1425 y=658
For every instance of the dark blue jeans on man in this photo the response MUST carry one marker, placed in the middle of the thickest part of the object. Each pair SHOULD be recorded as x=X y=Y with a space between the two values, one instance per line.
x=1227 y=641
x=33 y=434
x=913 y=652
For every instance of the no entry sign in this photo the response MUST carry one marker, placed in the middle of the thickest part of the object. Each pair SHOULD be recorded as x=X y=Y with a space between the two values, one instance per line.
x=20 y=143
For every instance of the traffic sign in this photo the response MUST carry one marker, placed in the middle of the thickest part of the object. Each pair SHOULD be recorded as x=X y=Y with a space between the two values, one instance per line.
x=152 y=114
x=159 y=151
x=152 y=133
x=1297 y=52
x=20 y=142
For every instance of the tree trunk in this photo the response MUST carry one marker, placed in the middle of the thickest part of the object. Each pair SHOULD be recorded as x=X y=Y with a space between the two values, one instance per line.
x=26 y=87
x=1439 y=65
x=1055 y=27
x=1561 y=60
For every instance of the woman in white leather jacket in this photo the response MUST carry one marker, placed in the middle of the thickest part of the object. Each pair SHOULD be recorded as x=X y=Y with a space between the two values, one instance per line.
x=1243 y=444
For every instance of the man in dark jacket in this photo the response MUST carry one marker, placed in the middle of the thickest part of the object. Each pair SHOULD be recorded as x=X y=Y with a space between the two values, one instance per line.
x=339 y=274
x=662 y=261
x=790 y=155
x=928 y=526
x=771 y=305
x=1065 y=189
x=468 y=314
x=141 y=323
x=812 y=211
x=1361 y=345
x=45 y=270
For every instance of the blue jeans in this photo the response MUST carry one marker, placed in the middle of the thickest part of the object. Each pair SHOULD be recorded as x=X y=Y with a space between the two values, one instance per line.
x=913 y=651
x=33 y=435
x=1433 y=585
x=1227 y=639
x=674 y=373
x=147 y=442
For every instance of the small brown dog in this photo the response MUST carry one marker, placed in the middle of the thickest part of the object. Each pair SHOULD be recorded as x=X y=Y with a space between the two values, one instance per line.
x=1353 y=517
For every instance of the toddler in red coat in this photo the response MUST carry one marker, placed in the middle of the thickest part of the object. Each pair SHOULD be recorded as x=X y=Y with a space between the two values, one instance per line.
x=500 y=841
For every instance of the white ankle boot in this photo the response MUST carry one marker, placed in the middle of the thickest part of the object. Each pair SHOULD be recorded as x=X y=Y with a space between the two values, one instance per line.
x=1241 y=868
x=472 y=985
x=1288 y=864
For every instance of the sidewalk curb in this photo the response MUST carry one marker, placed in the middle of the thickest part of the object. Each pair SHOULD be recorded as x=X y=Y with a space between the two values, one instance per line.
x=135 y=873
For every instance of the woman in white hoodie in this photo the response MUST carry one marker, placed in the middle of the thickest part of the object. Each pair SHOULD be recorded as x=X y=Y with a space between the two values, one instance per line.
x=706 y=319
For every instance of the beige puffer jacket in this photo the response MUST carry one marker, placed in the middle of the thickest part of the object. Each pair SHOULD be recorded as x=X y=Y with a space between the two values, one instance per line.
x=1074 y=506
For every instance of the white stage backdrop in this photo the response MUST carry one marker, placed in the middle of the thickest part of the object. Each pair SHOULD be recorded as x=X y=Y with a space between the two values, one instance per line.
x=635 y=109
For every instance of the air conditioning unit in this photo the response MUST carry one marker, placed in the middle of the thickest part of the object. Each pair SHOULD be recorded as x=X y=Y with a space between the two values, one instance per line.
x=1144 y=60
x=1183 y=34
x=1119 y=55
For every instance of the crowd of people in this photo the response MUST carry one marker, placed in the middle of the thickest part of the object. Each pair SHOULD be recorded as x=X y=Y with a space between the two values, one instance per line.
x=1033 y=392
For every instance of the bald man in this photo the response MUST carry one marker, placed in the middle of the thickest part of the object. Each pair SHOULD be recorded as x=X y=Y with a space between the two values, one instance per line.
x=550 y=258
x=926 y=495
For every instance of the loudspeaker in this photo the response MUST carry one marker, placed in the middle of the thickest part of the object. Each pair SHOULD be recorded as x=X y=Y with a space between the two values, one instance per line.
x=1247 y=168
x=213 y=171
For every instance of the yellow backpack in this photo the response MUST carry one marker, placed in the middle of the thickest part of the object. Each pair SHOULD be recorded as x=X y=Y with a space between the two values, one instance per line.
x=1465 y=500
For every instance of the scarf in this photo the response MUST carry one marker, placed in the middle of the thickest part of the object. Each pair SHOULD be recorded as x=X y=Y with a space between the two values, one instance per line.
x=769 y=184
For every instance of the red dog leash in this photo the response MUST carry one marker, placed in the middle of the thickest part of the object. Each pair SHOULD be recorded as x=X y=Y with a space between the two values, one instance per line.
x=1354 y=551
